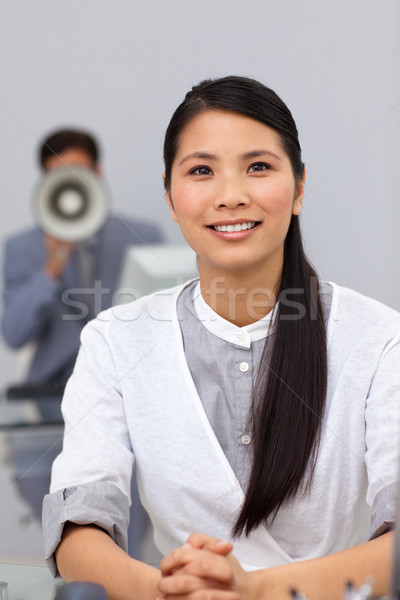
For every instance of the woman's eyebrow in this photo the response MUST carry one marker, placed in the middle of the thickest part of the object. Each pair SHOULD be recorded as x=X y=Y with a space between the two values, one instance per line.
x=198 y=154
x=257 y=153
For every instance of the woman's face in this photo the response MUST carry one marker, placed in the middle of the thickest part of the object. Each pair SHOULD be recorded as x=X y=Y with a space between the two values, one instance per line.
x=233 y=192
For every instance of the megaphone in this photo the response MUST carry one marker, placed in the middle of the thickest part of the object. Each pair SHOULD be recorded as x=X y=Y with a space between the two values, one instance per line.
x=71 y=203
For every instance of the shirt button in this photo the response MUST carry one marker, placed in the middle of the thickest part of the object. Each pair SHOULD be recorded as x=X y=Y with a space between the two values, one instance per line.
x=244 y=367
x=245 y=439
x=241 y=336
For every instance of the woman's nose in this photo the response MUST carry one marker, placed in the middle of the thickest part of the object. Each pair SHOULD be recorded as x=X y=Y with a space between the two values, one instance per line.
x=231 y=193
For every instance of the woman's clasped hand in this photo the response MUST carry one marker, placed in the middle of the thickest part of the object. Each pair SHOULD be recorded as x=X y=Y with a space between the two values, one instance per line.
x=204 y=567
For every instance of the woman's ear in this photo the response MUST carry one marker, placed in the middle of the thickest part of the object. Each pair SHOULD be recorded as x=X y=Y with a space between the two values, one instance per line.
x=299 y=195
x=169 y=201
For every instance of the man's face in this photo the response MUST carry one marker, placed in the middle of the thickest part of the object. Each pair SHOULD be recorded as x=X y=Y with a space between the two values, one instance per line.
x=70 y=157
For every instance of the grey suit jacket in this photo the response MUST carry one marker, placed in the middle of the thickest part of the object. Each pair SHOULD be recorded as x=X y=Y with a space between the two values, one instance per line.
x=34 y=308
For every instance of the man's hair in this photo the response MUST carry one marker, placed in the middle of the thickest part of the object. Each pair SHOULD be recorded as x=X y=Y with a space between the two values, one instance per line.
x=66 y=139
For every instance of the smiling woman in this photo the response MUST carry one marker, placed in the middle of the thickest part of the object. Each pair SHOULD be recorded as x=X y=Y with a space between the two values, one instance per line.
x=258 y=403
x=231 y=168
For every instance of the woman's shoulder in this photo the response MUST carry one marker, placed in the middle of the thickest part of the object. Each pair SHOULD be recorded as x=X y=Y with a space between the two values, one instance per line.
x=147 y=311
x=360 y=313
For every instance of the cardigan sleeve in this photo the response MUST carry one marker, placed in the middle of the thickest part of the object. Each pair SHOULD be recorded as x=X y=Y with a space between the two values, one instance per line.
x=90 y=480
x=97 y=503
x=382 y=422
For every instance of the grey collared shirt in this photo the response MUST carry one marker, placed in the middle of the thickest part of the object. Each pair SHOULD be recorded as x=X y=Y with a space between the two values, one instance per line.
x=223 y=360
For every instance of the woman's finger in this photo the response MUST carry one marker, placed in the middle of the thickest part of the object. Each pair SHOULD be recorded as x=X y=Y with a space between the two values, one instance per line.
x=177 y=559
x=198 y=540
x=201 y=563
x=183 y=584
x=208 y=566
x=207 y=542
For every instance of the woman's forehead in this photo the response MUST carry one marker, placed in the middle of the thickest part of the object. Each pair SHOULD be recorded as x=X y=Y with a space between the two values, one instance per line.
x=219 y=129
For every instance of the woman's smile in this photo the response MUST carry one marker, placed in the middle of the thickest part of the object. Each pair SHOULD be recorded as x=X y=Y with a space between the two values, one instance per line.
x=233 y=230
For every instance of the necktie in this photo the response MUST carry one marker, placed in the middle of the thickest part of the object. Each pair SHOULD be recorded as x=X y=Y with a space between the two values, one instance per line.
x=86 y=277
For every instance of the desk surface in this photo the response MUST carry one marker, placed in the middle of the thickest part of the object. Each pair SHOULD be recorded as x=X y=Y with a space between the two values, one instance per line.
x=28 y=582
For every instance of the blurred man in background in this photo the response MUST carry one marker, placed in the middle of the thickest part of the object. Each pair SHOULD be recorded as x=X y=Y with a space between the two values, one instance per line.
x=39 y=271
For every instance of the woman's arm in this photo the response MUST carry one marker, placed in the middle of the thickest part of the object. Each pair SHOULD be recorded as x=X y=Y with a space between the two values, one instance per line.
x=196 y=568
x=87 y=553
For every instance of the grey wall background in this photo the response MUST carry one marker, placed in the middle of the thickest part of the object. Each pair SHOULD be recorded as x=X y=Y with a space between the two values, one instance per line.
x=120 y=68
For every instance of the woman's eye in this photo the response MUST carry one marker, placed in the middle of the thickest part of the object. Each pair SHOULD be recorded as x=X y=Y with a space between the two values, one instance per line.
x=259 y=166
x=200 y=171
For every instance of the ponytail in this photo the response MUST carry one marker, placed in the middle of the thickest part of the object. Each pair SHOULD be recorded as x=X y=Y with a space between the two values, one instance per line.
x=289 y=395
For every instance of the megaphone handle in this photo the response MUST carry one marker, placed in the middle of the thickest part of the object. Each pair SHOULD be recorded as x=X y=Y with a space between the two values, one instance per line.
x=58 y=256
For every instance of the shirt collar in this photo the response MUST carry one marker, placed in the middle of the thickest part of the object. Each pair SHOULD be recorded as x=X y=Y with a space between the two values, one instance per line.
x=241 y=336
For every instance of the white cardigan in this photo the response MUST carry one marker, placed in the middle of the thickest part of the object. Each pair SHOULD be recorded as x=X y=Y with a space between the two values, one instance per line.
x=132 y=390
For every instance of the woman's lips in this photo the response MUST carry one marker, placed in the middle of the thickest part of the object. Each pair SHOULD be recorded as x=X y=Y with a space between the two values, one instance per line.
x=234 y=231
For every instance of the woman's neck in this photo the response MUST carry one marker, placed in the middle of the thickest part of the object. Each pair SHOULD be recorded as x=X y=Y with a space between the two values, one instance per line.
x=241 y=297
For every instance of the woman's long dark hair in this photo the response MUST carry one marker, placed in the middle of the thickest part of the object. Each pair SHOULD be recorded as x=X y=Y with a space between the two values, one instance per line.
x=290 y=388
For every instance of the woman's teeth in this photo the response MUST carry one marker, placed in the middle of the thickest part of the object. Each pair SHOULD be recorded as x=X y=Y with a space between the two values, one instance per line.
x=237 y=227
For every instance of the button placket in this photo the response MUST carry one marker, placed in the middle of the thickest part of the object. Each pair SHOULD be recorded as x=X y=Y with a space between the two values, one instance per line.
x=241 y=336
